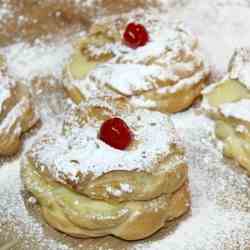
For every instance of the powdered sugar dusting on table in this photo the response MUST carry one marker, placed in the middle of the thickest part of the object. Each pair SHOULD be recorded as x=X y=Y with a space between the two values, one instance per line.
x=220 y=192
x=220 y=196
x=25 y=62
x=240 y=66
x=14 y=214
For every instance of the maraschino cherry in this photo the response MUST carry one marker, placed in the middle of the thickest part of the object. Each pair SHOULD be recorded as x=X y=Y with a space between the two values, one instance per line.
x=116 y=133
x=135 y=35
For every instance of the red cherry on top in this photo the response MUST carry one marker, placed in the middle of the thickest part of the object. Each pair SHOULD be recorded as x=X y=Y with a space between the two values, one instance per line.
x=135 y=35
x=116 y=133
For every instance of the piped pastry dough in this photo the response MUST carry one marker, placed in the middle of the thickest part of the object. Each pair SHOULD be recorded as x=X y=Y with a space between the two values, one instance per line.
x=86 y=188
x=17 y=114
x=228 y=103
x=166 y=74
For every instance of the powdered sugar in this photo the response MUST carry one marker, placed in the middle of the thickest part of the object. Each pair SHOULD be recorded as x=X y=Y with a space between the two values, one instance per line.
x=239 y=110
x=169 y=57
x=25 y=62
x=240 y=66
x=220 y=196
x=5 y=12
x=220 y=193
x=141 y=101
x=12 y=121
x=118 y=77
x=241 y=129
x=4 y=90
x=16 y=219
x=209 y=234
x=220 y=202
x=81 y=151
x=8 y=120
x=124 y=188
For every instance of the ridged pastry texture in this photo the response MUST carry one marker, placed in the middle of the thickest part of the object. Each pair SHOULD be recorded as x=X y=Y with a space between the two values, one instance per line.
x=82 y=217
x=17 y=114
x=87 y=189
x=167 y=74
x=228 y=103
x=152 y=165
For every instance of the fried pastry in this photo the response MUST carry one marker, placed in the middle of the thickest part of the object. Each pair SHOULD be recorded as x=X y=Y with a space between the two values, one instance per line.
x=228 y=103
x=17 y=114
x=87 y=187
x=154 y=64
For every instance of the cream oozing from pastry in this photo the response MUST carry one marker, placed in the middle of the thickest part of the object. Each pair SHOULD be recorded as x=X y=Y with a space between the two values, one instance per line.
x=228 y=103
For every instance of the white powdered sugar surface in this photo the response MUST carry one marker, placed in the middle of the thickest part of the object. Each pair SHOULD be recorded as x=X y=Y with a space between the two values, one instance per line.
x=170 y=56
x=219 y=217
x=81 y=151
x=4 y=90
x=118 y=76
x=25 y=61
x=240 y=66
x=239 y=110
x=25 y=228
x=5 y=12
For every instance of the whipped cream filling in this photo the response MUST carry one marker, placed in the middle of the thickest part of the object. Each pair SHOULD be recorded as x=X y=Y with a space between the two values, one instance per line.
x=239 y=69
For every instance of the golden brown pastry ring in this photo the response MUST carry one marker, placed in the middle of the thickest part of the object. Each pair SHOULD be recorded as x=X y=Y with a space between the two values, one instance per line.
x=186 y=64
x=17 y=114
x=130 y=203
x=132 y=220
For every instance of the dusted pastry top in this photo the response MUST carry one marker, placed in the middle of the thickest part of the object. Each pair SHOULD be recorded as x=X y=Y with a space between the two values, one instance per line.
x=168 y=63
x=76 y=154
x=231 y=96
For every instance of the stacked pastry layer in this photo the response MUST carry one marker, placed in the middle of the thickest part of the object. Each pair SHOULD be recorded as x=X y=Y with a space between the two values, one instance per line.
x=167 y=74
x=17 y=113
x=228 y=102
x=87 y=188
